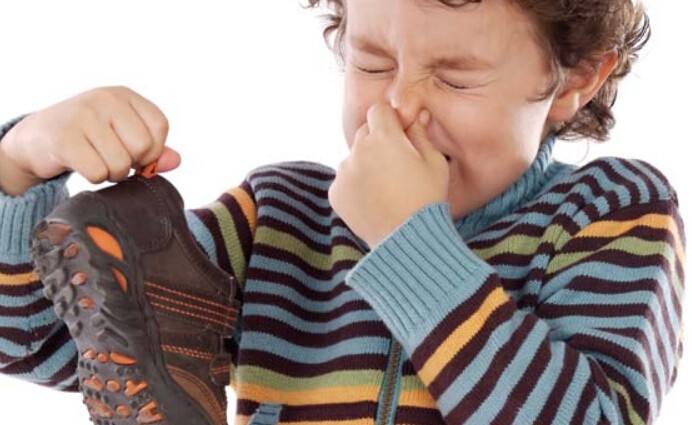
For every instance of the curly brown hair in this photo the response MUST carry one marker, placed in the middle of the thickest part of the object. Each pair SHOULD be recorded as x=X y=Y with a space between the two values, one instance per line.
x=572 y=31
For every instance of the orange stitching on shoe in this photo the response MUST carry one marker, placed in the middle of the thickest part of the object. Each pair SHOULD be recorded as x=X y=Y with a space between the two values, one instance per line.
x=105 y=242
x=122 y=281
x=187 y=313
x=182 y=294
x=204 y=355
x=184 y=304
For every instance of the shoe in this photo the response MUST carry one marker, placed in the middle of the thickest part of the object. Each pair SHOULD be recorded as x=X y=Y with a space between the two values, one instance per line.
x=152 y=317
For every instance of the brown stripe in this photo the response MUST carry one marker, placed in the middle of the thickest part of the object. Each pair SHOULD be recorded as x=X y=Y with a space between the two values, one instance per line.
x=418 y=416
x=641 y=405
x=36 y=306
x=20 y=268
x=457 y=316
x=557 y=393
x=304 y=370
x=653 y=192
x=661 y=177
x=207 y=217
x=312 y=316
x=21 y=290
x=328 y=412
x=50 y=346
x=525 y=385
x=449 y=373
x=279 y=278
x=467 y=405
x=315 y=340
x=587 y=397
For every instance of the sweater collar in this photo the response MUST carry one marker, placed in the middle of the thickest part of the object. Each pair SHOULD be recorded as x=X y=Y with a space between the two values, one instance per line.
x=525 y=188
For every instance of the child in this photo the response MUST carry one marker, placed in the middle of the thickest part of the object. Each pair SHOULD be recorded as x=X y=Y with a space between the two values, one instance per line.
x=449 y=271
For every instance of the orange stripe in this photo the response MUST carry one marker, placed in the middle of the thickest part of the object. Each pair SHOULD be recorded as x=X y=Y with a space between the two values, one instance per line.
x=609 y=228
x=247 y=205
x=464 y=333
x=19 y=279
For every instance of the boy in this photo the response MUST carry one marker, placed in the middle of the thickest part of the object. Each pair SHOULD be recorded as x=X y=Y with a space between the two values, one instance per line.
x=477 y=280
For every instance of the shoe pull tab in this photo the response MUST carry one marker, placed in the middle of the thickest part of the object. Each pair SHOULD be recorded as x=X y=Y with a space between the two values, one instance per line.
x=148 y=171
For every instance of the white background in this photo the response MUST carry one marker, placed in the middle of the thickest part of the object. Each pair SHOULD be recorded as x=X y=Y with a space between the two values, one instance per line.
x=246 y=83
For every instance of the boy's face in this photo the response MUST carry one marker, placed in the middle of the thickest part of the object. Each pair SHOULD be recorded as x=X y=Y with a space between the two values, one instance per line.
x=491 y=126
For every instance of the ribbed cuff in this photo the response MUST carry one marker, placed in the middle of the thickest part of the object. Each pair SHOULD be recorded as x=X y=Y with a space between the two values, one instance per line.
x=419 y=274
x=19 y=215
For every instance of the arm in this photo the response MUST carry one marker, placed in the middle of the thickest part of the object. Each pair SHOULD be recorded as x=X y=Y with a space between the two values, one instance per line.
x=601 y=346
x=35 y=345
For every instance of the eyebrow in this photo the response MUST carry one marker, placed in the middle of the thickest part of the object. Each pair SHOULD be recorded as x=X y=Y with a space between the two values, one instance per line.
x=463 y=63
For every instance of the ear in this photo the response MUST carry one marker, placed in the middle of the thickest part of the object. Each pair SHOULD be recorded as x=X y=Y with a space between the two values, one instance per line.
x=580 y=86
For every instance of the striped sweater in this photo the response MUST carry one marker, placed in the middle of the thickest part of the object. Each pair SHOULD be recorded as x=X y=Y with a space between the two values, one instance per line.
x=558 y=302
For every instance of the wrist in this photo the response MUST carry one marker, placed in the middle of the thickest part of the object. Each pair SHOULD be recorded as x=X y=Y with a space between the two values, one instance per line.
x=14 y=180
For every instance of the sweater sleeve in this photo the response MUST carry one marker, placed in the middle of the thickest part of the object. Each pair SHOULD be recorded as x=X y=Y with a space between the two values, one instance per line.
x=601 y=346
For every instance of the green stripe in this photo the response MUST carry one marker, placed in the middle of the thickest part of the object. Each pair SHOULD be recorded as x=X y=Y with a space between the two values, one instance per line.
x=267 y=378
x=229 y=234
x=287 y=242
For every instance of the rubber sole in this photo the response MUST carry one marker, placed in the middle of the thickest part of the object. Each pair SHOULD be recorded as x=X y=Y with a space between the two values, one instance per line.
x=90 y=271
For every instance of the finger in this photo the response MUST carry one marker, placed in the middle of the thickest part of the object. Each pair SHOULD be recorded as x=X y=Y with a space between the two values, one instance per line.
x=382 y=118
x=130 y=128
x=169 y=160
x=417 y=133
x=85 y=161
x=110 y=148
x=155 y=121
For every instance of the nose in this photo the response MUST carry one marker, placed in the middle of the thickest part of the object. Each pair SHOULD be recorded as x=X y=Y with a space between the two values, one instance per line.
x=407 y=97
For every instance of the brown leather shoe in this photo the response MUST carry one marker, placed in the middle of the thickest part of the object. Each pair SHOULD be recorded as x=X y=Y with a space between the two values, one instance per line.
x=147 y=309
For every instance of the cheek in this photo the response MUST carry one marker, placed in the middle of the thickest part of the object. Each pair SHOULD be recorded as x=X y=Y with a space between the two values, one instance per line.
x=358 y=97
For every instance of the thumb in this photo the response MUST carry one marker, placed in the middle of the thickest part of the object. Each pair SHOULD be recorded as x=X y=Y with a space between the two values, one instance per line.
x=169 y=160
x=418 y=135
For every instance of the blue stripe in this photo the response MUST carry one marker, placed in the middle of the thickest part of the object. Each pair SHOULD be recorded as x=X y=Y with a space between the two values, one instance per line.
x=541 y=391
x=308 y=355
x=273 y=312
x=476 y=369
x=202 y=235
x=304 y=303
x=644 y=194
x=512 y=373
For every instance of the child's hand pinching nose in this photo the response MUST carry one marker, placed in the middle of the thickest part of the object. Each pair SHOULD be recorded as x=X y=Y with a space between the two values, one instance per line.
x=389 y=174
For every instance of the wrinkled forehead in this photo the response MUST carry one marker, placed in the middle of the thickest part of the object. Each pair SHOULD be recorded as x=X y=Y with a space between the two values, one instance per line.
x=493 y=27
